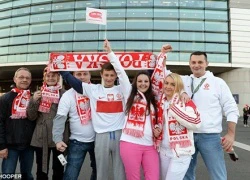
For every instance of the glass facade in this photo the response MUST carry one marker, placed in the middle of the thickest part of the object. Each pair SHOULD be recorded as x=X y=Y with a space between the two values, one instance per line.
x=31 y=29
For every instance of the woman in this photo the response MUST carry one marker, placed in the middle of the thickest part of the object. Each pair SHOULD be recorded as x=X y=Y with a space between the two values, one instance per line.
x=245 y=115
x=42 y=108
x=137 y=139
x=180 y=119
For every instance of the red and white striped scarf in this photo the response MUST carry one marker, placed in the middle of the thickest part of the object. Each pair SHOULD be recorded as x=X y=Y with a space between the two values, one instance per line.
x=83 y=108
x=20 y=103
x=136 y=118
x=50 y=94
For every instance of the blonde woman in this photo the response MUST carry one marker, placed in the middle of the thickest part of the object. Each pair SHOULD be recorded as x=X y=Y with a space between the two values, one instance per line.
x=180 y=119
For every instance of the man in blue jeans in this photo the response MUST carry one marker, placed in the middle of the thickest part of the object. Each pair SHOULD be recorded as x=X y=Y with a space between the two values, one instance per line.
x=212 y=97
x=15 y=128
x=82 y=135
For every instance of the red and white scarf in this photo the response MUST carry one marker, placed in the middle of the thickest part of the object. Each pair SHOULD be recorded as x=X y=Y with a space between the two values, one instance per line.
x=83 y=108
x=136 y=118
x=50 y=94
x=177 y=134
x=20 y=103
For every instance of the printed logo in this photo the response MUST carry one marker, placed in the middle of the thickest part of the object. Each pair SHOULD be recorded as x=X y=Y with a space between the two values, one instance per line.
x=206 y=86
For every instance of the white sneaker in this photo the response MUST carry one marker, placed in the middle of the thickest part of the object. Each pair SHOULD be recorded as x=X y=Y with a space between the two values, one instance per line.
x=245 y=125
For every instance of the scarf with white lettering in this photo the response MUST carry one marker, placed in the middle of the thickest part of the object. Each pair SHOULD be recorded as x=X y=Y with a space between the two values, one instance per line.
x=50 y=94
x=20 y=103
x=177 y=134
x=83 y=108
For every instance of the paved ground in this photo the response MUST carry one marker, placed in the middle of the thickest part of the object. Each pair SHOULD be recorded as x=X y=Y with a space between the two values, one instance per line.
x=236 y=170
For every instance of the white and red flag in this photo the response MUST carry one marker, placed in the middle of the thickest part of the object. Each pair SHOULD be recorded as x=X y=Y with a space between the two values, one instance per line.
x=96 y=16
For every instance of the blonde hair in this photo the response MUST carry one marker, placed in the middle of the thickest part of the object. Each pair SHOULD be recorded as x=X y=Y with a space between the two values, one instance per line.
x=179 y=86
x=46 y=70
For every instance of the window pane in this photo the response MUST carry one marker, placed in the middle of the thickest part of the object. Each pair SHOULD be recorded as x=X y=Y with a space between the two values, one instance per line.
x=38 y=57
x=4 y=50
x=216 y=15
x=139 y=46
x=38 y=48
x=192 y=25
x=60 y=47
x=20 y=20
x=5 y=14
x=19 y=40
x=220 y=58
x=116 y=35
x=40 y=28
x=41 y=8
x=157 y=45
x=116 y=46
x=7 y=5
x=63 y=6
x=80 y=15
x=192 y=36
x=184 y=56
x=14 y=31
x=61 y=37
x=216 y=26
x=116 y=13
x=18 y=49
x=166 y=13
x=22 y=2
x=115 y=25
x=4 y=32
x=86 y=46
x=4 y=41
x=217 y=37
x=135 y=24
x=20 y=11
x=192 y=46
x=40 y=18
x=159 y=35
x=191 y=14
x=5 y=23
x=113 y=3
x=168 y=3
x=215 y=47
x=85 y=36
x=84 y=4
x=39 y=38
x=140 y=36
x=17 y=58
x=192 y=3
x=166 y=25
x=139 y=13
x=80 y=25
x=57 y=16
x=216 y=4
x=3 y=59
x=140 y=3
x=62 y=26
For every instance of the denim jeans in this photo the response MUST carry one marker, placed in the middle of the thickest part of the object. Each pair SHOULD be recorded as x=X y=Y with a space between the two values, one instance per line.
x=25 y=156
x=212 y=153
x=76 y=155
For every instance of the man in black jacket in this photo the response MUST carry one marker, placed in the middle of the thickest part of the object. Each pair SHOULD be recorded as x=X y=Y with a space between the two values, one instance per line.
x=15 y=128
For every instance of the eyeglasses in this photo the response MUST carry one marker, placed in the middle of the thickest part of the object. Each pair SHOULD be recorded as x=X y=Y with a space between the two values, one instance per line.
x=22 y=78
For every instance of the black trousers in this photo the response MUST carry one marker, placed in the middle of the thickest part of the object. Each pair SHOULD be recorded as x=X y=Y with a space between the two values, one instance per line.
x=57 y=167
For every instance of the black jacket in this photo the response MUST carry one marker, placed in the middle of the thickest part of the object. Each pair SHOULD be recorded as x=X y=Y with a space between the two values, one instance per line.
x=15 y=133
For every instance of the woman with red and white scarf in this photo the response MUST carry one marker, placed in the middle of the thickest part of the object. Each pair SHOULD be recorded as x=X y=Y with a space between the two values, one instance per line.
x=42 y=108
x=179 y=121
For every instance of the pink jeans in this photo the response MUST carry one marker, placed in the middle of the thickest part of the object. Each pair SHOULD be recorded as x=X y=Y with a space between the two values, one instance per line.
x=135 y=155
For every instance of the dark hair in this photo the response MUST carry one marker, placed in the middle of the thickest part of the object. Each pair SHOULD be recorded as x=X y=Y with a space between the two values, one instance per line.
x=107 y=66
x=149 y=95
x=199 y=53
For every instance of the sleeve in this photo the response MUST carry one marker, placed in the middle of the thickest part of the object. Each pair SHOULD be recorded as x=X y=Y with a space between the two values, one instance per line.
x=190 y=117
x=64 y=104
x=32 y=109
x=123 y=77
x=58 y=128
x=3 y=109
x=228 y=103
x=75 y=83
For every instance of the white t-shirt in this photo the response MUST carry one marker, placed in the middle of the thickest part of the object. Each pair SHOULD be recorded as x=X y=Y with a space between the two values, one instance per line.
x=67 y=106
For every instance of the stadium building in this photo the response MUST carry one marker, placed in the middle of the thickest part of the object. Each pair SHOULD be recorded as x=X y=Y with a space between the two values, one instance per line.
x=31 y=29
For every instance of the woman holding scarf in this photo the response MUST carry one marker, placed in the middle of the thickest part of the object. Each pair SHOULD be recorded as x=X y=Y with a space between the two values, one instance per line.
x=179 y=121
x=42 y=108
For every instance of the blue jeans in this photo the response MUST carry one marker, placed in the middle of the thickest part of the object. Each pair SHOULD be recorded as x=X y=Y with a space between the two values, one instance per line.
x=212 y=153
x=76 y=155
x=25 y=156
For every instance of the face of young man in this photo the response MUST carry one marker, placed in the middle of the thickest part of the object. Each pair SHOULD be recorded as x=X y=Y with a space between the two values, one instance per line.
x=83 y=76
x=109 y=78
x=198 y=65
x=142 y=83
x=22 y=79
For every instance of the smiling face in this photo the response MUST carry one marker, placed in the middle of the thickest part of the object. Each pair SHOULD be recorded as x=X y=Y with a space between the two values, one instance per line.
x=22 y=79
x=198 y=65
x=51 y=78
x=109 y=77
x=142 y=83
x=169 y=87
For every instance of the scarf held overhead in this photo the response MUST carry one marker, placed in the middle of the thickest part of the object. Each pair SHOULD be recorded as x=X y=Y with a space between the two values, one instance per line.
x=50 y=94
x=20 y=103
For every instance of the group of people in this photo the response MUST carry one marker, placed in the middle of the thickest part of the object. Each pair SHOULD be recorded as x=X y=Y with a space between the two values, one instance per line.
x=160 y=122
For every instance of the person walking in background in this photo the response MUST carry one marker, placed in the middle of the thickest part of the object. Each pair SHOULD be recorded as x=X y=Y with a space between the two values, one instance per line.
x=107 y=104
x=42 y=109
x=180 y=119
x=15 y=128
x=246 y=112
x=76 y=108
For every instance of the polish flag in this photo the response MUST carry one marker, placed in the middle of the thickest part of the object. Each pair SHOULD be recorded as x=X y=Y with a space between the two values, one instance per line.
x=96 y=16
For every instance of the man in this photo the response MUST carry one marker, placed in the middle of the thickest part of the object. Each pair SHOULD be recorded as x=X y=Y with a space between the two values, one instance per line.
x=107 y=103
x=212 y=97
x=15 y=128
x=82 y=135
